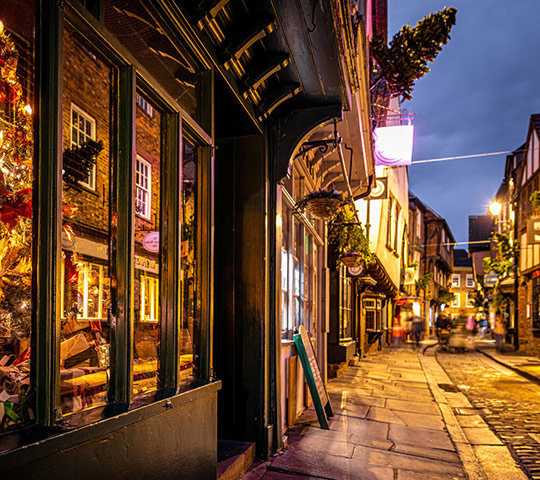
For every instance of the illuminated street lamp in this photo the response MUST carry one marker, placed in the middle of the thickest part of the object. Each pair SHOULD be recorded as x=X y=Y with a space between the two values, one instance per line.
x=495 y=208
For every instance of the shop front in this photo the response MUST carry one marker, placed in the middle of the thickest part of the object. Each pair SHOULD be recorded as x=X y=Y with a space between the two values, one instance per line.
x=106 y=244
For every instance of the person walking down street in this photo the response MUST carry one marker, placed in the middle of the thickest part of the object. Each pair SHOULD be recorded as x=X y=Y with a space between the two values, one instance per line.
x=417 y=327
x=397 y=331
x=499 y=331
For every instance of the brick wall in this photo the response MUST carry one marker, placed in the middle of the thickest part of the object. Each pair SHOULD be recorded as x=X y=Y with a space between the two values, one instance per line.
x=148 y=134
x=87 y=84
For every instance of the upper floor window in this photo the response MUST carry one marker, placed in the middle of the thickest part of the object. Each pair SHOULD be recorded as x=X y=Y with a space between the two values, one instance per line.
x=469 y=301
x=455 y=280
x=456 y=303
x=145 y=106
x=83 y=129
x=143 y=188
x=470 y=280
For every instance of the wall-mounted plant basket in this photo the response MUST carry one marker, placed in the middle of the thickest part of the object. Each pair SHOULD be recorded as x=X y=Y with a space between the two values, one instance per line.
x=79 y=161
x=322 y=204
x=351 y=260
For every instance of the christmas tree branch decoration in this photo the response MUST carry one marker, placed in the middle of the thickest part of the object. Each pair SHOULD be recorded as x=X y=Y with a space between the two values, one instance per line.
x=16 y=156
x=405 y=60
x=79 y=161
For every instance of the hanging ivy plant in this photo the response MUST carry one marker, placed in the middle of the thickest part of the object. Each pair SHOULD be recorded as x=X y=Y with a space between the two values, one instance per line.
x=347 y=238
x=503 y=263
x=446 y=296
x=79 y=161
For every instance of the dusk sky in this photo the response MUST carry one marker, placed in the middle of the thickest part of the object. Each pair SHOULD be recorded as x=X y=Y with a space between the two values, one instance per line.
x=477 y=98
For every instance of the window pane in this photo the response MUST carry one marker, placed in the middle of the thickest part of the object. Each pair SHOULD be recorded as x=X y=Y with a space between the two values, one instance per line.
x=16 y=163
x=147 y=326
x=85 y=278
x=191 y=320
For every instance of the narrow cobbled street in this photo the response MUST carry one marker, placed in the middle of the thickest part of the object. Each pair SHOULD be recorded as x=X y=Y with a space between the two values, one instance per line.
x=398 y=415
x=507 y=402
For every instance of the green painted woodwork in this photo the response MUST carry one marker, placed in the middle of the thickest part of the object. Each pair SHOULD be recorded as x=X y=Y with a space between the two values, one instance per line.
x=313 y=376
x=47 y=217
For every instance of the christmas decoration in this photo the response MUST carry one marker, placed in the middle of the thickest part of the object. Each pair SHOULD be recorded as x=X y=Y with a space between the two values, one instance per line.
x=16 y=152
x=405 y=60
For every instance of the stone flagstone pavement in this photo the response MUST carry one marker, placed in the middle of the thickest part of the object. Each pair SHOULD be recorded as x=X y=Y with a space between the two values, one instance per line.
x=392 y=421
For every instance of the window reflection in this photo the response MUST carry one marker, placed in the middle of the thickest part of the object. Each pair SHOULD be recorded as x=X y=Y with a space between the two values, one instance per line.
x=190 y=316
x=85 y=274
x=147 y=327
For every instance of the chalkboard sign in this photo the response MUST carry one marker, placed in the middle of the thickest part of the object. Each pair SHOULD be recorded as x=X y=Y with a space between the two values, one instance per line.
x=313 y=376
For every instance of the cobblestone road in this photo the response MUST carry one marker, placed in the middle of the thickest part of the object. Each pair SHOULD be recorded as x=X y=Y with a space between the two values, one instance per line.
x=507 y=402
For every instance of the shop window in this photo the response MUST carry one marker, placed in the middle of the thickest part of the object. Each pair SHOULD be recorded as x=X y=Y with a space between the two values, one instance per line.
x=188 y=363
x=389 y=223
x=16 y=214
x=456 y=280
x=85 y=330
x=536 y=303
x=396 y=227
x=83 y=129
x=345 y=304
x=469 y=281
x=147 y=326
x=143 y=188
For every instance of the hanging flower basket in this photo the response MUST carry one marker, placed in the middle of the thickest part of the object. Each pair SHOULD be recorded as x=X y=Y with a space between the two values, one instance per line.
x=322 y=204
x=351 y=260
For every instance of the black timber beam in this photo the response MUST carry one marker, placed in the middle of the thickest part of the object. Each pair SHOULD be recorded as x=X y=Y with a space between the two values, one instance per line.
x=288 y=131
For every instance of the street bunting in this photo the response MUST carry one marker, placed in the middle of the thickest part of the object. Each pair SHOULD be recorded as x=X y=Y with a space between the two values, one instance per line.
x=313 y=376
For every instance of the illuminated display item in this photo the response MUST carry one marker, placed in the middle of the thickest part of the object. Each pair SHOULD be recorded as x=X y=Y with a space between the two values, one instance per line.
x=393 y=145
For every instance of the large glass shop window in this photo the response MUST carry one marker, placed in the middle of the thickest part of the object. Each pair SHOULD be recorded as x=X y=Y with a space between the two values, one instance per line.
x=286 y=277
x=147 y=326
x=85 y=263
x=16 y=174
x=188 y=363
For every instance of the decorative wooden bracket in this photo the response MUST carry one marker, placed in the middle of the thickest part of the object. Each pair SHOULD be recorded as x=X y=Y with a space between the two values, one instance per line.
x=265 y=71
x=241 y=42
x=276 y=98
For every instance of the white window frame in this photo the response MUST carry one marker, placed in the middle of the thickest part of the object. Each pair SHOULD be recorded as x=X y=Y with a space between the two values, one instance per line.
x=145 y=106
x=468 y=301
x=456 y=302
x=469 y=280
x=456 y=280
x=147 y=213
x=91 y=183
x=151 y=297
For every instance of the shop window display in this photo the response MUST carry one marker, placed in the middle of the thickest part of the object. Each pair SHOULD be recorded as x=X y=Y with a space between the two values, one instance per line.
x=85 y=272
x=147 y=326
x=16 y=173
x=190 y=323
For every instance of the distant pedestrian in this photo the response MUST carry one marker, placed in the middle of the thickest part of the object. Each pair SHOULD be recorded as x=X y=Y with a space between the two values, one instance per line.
x=417 y=328
x=397 y=330
x=499 y=331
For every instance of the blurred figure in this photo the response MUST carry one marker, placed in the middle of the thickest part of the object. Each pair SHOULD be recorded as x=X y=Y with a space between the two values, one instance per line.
x=397 y=331
x=499 y=331
x=416 y=330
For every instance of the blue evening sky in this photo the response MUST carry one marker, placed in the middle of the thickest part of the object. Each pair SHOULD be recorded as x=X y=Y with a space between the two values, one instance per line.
x=477 y=98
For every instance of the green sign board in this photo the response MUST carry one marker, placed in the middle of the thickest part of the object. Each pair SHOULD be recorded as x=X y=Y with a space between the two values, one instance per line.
x=313 y=376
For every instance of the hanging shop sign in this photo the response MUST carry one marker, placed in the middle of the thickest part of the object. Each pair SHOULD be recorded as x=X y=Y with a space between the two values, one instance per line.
x=313 y=376
x=356 y=270
x=379 y=190
x=407 y=276
x=151 y=242
x=490 y=279
x=393 y=145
